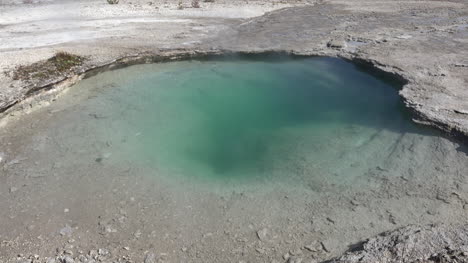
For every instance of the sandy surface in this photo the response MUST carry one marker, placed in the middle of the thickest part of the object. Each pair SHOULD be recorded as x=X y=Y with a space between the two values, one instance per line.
x=87 y=213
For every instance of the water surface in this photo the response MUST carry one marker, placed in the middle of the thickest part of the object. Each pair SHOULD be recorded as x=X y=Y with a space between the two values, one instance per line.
x=240 y=119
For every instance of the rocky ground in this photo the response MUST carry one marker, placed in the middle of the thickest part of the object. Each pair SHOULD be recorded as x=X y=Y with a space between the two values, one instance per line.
x=131 y=219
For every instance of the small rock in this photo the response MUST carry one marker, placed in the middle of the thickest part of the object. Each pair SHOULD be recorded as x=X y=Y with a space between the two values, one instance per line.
x=262 y=234
x=67 y=230
x=103 y=252
x=335 y=43
x=93 y=254
x=66 y=210
x=260 y=250
x=295 y=260
x=68 y=259
x=13 y=189
x=50 y=260
x=328 y=245
x=150 y=258
x=314 y=247
x=82 y=258
x=137 y=234
x=404 y=37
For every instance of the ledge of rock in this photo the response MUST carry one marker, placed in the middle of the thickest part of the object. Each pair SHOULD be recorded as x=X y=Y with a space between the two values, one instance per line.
x=428 y=244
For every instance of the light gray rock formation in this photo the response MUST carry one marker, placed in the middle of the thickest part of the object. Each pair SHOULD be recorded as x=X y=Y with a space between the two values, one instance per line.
x=429 y=244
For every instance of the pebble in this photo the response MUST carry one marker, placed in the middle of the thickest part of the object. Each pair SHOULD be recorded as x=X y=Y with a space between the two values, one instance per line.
x=314 y=247
x=67 y=230
x=103 y=252
x=68 y=259
x=93 y=254
x=404 y=37
x=336 y=43
x=150 y=258
x=294 y=260
x=262 y=234
x=137 y=234
x=328 y=245
x=82 y=258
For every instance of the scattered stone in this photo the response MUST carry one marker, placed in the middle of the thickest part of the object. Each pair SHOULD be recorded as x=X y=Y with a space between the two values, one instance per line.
x=262 y=234
x=30 y=227
x=329 y=245
x=260 y=250
x=50 y=260
x=150 y=258
x=294 y=260
x=68 y=259
x=82 y=258
x=314 y=247
x=404 y=37
x=13 y=189
x=392 y=219
x=66 y=231
x=379 y=168
x=93 y=254
x=103 y=252
x=109 y=229
x=66 y=210
x=137 y=234
x=336 y=43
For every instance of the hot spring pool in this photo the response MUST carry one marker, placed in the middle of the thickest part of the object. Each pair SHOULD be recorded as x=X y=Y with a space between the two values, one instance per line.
x=241 y=119
x=194 y=159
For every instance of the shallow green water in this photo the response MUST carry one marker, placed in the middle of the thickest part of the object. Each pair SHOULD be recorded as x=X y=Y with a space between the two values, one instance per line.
x=239 y=118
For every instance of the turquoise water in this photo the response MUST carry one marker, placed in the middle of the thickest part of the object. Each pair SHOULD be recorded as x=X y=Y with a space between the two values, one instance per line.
x=245 y=118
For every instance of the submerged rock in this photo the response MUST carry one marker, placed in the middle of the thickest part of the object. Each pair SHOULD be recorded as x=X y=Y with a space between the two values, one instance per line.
x=430 y=244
